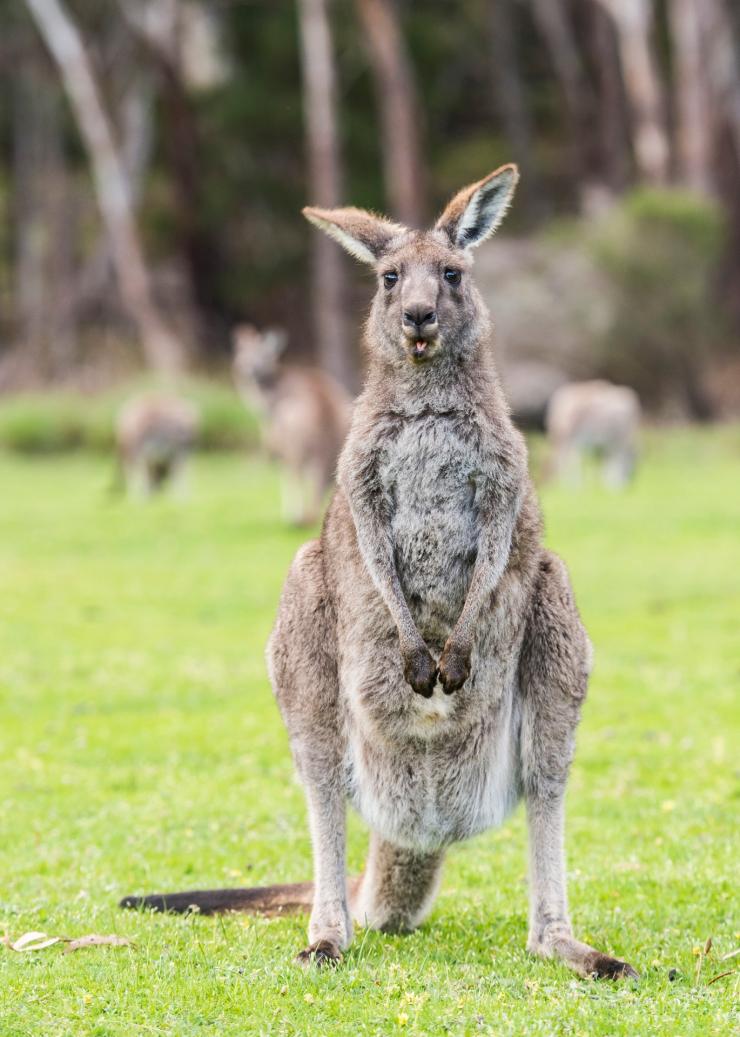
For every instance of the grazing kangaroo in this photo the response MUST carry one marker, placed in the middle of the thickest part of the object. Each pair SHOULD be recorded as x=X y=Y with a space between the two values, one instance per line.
x=428 y=657
x=593 y=418
x=154 y=436
x=305 y=418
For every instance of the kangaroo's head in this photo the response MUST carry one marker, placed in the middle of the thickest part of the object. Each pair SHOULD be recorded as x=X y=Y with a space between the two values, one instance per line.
x=257 y=354
x=426 y=306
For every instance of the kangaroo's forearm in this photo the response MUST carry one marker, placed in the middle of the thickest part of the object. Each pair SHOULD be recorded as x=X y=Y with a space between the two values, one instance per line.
x=493 y=555
x=377 y=554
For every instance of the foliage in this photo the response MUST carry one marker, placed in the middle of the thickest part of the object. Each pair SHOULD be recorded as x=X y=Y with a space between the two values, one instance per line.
x=46 y=423
x=142 y=750
x=660 y=249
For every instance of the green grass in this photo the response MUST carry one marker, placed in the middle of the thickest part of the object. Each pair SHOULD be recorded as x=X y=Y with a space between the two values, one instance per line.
x=52 y=423
x=140 y=750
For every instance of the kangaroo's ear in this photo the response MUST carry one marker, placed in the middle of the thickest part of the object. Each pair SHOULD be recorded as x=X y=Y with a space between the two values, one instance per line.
x=364 y=235
x=476 y=211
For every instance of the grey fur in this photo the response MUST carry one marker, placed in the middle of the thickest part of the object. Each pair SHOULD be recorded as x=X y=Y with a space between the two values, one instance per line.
x=304 y=416
x=427 y=657
x=429 y=576
x=154 y=436
x=594 y=417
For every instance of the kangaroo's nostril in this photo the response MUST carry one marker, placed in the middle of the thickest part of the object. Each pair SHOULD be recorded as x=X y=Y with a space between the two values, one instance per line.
x=419 y=316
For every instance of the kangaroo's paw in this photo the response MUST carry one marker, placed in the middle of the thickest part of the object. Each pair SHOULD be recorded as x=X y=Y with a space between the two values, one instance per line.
x=556 y=941
x=601 y=966
x=321 y=953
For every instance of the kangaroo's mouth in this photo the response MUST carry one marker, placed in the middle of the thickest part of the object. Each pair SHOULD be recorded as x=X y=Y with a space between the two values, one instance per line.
x=420 y=349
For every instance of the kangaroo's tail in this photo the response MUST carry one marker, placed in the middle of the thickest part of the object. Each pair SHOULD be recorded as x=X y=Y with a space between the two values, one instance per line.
x=294 y=898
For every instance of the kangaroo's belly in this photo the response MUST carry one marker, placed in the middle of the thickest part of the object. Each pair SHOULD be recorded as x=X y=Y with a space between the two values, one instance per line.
x=431 y=478
x=424 y=796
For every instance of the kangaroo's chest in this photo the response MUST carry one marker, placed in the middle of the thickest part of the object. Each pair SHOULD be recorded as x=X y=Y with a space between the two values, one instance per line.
x=429 y=473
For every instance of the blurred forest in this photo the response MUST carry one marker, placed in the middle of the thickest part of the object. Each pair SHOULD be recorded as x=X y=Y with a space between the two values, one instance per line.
x=155 y=155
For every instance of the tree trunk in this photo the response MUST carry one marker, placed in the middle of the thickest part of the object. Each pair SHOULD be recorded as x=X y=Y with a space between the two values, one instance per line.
x=324 y=176
x=400 y=117
x=611 y=130
x=112 y=188
x=510 y=94
x=693 y=109
x=721 y=34
x=44 y=223
x=160 y=25
x=552 y=21
x=633 y=19
x=35 y=134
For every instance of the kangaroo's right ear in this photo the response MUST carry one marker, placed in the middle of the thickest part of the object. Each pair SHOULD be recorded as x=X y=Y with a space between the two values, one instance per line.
x=364 y=235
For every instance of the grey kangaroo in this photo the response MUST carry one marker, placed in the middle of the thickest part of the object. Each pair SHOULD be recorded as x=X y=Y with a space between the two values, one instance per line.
x=427 y=657
x=155 y=434
x=304 y=414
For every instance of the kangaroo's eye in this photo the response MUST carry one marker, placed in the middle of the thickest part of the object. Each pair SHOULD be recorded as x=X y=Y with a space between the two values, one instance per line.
x=452 y=276
x=390 y=278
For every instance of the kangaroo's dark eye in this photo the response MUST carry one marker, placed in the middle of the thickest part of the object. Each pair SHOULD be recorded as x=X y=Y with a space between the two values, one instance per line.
x=452 y=276
x=390 y=278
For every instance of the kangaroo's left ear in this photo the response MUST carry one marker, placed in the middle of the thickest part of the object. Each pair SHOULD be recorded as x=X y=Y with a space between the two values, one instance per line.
x=476 y=211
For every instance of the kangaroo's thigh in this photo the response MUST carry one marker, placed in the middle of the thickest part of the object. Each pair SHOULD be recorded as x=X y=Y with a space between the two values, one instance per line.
x=397 y=888
x=553 y=673
x=302 y=660
x=554 y=665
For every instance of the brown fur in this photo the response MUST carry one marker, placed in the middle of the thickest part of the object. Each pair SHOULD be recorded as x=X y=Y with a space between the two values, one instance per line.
x=428 y=657
x=304 y=415
x=155 y=434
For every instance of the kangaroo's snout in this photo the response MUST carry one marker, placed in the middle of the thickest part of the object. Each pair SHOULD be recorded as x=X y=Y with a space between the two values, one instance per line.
x=420 y=328
x=419 y=317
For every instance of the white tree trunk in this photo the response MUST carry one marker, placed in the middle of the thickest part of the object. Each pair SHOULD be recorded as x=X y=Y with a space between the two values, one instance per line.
x=693 y=109
x=113 y=193
x=317 y=62
x=398 y=108
x=721 y=56
x=633 y=19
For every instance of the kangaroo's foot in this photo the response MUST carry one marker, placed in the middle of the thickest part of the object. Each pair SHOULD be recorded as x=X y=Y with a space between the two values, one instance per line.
x=556 y=941
x=320 y=954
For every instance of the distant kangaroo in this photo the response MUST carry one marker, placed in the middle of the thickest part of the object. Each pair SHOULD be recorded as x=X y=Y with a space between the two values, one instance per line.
x=305 y=417
x=594 y=417
x=154 y=436
x=428 y=657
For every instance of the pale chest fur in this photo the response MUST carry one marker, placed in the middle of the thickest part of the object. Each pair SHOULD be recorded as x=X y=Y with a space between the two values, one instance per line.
x=428 y=472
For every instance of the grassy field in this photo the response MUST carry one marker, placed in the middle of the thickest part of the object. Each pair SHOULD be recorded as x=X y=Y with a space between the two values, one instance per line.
x=140 y=749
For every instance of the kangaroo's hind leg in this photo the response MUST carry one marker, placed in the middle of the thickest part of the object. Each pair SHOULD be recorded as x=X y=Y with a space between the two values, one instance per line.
x=303 y=670
x=553 y=673
x=397 y=888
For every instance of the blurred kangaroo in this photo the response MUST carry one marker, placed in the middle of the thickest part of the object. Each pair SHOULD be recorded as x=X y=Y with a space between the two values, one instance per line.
x=593 y=418
x=154 y=436
x=427 y=656
x=305 y=417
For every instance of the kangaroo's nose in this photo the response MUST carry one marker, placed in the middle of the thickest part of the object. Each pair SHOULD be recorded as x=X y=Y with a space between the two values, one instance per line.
x=417 y=317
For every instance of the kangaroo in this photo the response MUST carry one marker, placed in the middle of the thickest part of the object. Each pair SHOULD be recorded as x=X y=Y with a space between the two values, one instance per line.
x=305 y=417
x=154 y=435
x=593 y=417
x=428 y=657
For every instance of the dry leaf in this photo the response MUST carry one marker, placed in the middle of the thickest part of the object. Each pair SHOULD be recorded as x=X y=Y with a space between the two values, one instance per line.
x=31 y=942
x=93 y=940
x=722 y=975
